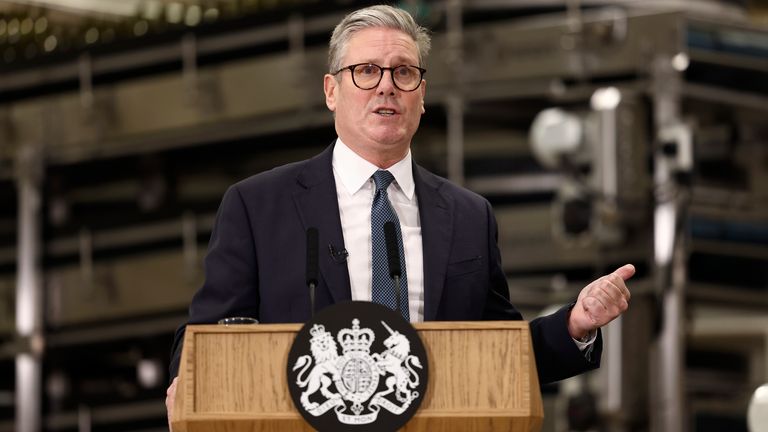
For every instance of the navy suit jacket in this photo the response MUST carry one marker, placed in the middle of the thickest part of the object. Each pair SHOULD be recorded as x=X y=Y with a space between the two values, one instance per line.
x=256 y=259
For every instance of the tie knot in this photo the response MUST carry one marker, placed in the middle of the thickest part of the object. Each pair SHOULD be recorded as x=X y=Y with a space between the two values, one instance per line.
x=382 y=178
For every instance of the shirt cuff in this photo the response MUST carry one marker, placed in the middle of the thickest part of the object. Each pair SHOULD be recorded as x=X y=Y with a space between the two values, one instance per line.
x=587 y=341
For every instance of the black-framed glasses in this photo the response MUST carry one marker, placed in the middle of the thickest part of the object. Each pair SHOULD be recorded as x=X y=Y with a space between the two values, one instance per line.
x=367 y=76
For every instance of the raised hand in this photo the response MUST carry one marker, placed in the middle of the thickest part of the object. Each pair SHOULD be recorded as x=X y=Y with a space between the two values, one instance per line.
x=600 y=302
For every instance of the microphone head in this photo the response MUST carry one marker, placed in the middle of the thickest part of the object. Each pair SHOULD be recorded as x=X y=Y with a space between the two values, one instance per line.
x=393 y=256
x=312 y=256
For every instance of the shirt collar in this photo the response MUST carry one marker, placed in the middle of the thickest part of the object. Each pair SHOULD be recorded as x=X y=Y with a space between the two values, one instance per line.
x=354 y=171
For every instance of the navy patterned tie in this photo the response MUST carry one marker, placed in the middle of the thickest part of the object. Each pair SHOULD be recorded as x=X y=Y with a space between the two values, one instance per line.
x=382 y=287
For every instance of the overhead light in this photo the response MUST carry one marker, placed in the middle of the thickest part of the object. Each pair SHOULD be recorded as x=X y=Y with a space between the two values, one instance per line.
x=26 y=26
x=174 y=12
x=50 y=43
x=13 y=27
x=194 y=16
x=211 y=14
x=41 y=25
x=92 y=36
x=153 y=10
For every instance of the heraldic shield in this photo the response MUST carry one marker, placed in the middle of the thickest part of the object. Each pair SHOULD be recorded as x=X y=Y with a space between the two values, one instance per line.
x=357 y=366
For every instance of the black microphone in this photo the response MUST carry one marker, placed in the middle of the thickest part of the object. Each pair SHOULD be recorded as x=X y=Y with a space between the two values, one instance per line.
x=312 y=253
x=393 y=259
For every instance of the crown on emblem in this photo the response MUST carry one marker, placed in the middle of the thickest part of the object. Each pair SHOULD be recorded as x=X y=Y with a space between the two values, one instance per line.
x=318 y=333
x=356 y=339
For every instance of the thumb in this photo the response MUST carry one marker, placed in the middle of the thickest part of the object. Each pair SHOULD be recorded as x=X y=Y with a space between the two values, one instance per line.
x=626 y=271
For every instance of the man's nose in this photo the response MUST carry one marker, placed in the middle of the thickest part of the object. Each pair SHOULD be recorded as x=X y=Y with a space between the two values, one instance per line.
x=386 y=85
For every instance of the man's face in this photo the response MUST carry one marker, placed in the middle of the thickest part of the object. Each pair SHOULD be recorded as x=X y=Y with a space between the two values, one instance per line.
x=377 y=124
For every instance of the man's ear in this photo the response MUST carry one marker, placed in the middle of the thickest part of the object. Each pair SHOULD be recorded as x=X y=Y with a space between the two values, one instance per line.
x=330 y=85
x=423 y=91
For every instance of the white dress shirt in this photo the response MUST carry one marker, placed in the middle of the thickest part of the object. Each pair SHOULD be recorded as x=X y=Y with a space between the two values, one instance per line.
x=355 y=190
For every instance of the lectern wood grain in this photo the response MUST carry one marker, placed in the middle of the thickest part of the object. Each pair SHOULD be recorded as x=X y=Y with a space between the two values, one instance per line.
x=482 y=378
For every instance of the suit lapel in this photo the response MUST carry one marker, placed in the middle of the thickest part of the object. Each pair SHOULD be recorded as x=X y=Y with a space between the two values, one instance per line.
x=318 y=207
x=436 y=217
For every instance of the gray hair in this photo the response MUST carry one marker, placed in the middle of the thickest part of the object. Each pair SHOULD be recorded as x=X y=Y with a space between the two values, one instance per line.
x=370 y=17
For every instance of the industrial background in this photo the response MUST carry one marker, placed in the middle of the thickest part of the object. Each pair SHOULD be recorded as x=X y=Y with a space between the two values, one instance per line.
x=602 y=132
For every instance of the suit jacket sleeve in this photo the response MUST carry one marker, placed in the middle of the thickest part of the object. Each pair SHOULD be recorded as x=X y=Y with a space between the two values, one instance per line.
x=231 y=276
x=557 y=356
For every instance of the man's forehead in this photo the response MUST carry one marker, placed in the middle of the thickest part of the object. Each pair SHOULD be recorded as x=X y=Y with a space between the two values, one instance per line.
x=373 y=38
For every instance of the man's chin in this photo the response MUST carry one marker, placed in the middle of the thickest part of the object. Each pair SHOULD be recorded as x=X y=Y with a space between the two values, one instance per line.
x=390 y=138
x=392 y=144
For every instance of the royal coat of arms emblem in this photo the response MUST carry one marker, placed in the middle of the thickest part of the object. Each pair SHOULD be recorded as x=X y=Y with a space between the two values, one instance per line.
x=357 y=384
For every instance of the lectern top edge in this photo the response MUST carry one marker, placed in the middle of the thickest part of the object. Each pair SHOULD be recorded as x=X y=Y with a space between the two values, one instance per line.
x=431 y=325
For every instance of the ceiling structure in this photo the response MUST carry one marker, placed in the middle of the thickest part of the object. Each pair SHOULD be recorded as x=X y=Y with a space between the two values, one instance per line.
x=33 y=30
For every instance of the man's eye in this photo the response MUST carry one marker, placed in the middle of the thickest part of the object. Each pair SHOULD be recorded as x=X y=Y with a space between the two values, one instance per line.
x=368 y=70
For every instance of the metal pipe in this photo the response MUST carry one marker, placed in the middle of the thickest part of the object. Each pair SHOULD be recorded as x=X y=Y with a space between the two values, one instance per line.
x=668 y=404
x=28 y=291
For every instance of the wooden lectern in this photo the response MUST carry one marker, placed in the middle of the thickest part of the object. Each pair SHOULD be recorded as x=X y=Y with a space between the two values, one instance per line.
x=482 y=377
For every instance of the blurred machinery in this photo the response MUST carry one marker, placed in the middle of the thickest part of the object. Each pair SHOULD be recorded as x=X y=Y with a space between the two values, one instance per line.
x=586 y=147
x=602 y=132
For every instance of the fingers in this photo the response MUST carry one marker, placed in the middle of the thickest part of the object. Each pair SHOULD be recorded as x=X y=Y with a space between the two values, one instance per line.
x=614 y=288
x=611 y=287
x=171 y=392
x=625 y=272
x=618 y=278
x=605 y=299
x=170 y=396
x=604 y=304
